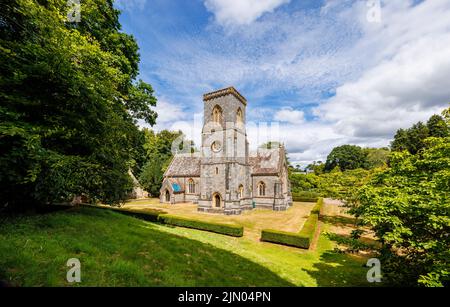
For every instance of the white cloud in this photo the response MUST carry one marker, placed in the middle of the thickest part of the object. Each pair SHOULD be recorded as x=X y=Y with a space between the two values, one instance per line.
x=168 y=112
x=241 y=12
x=289 y=115
x=409 y=83
x=385 y=75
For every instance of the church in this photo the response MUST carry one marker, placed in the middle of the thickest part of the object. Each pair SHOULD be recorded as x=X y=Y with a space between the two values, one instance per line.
x=224 y=177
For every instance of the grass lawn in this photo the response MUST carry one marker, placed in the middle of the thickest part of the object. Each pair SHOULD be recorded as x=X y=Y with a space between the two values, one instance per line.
x=118 y=250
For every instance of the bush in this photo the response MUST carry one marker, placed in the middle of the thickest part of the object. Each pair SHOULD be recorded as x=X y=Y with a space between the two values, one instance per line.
x=305 y=196
x=286 y=238
x=302 y=239
x=231 y=230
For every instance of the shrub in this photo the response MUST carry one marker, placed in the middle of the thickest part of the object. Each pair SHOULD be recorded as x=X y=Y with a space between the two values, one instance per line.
x=305 y=196
x=231 y=230
x=286 y=238
x=302 y=239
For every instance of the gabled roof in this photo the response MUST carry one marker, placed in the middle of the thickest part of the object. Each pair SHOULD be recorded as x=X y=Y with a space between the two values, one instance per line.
x=267 y=161
x=183 y=166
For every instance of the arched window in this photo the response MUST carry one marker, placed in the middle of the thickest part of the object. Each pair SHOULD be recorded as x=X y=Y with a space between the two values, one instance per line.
x=239 y=116
x=217 y=114
x=191 y=186
x=241 y=191
x=261 y=189
x=217 y=171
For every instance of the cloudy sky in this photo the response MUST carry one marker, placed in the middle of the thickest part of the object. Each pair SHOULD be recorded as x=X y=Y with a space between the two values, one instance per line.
x=323 y=72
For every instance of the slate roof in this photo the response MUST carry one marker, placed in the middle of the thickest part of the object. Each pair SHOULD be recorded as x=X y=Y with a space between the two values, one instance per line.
x=267 y=161
x=183 y=166
x=264 y=162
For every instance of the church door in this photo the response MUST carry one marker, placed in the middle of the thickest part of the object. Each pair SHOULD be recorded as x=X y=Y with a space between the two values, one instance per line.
x=217 y=201
x=167 y=196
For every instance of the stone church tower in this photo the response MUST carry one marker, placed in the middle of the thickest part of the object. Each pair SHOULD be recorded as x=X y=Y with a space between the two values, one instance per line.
x=224 y=177
x=225 y=172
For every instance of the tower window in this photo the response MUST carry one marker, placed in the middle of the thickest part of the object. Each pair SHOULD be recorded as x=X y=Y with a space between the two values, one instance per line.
x=217 y=114
x=239 y=116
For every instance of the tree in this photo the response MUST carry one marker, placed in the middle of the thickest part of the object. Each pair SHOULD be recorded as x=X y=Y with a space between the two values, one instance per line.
x=408 y=207
x=377 y=157
x=437 y=127
x=346 y=157
x=158 y=148
x=70 y=101
x=412 y=139
x=416 y=137
x=400 y=142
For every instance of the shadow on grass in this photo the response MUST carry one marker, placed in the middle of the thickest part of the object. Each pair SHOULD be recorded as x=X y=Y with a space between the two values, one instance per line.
x=339 y=270
x=338 y=220
x=115 y=250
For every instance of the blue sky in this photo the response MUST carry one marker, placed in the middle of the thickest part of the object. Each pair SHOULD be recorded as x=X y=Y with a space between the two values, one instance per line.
x=328 y=72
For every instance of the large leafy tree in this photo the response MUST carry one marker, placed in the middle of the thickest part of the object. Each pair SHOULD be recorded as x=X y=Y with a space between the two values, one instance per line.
x=408 y=207
x=413 y=139
x=69 y=103
x=346 y=157
x=160 y=147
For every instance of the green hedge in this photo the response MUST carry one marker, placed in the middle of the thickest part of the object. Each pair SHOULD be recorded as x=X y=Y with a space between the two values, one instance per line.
x=231 y=230
x=286 y=238
x=305 y=196
x=302 y=239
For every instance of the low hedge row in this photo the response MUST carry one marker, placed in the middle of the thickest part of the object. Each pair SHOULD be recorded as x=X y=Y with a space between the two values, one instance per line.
x=302 y=239
x=285 y=238
x=304 y=199
x=305 y=196
x=231 y=230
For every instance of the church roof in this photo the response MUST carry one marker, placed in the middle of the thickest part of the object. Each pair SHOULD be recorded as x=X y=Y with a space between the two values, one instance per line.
x=267 y=161
x=262 y=162
x=183 y=166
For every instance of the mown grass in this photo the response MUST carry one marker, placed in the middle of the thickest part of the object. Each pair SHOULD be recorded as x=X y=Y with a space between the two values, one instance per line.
x=118 y=250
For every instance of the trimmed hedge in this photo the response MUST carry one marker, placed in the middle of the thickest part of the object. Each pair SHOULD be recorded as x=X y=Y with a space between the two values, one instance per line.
x=302 y=239
x=231 y=230
x=285 y=238
x=305 y=196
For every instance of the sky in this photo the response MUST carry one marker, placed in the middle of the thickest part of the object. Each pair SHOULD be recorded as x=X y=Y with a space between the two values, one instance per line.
x=323 y=73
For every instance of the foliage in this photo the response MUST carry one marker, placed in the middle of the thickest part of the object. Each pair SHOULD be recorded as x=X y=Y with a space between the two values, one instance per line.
x=69 y=103
x=413 y=139
x=335 y=184
x=346 y=157
x=285 y=238
x=305 y=196
x=408 y=207
x=302 y=239
x=158 y=147
x=376 y=157
x=230 y=230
